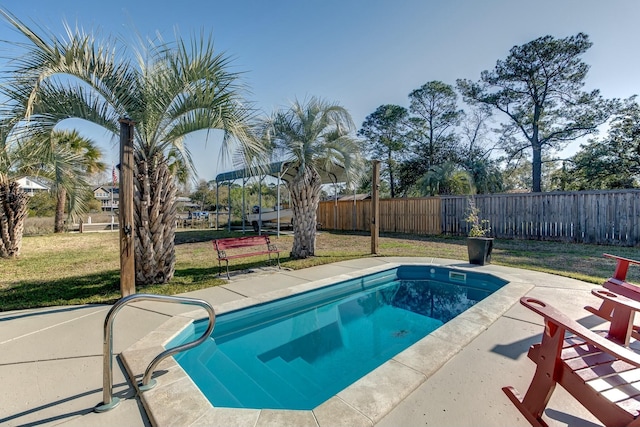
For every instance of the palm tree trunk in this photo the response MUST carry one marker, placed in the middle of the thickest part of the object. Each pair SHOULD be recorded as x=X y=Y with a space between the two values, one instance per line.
x=305 y=196
x=13 y=212
x=155 y=220
x=61 y=199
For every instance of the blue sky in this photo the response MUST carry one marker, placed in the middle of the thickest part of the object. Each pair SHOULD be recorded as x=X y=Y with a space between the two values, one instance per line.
x=359 y=53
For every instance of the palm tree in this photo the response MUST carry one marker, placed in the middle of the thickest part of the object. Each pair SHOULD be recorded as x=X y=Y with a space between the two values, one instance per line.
x=13 y=212
x=13 y=205
x=65 y=160
x=68 y=178
x=311 y=135
x=172 y=91
x=17 y=154
x=445 y=179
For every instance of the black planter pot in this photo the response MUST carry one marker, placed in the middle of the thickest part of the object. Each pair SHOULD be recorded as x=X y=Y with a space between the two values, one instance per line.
x=479 y=249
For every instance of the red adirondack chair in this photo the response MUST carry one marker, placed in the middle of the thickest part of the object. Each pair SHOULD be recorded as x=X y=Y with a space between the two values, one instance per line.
x=602 y=375
x=623 y=297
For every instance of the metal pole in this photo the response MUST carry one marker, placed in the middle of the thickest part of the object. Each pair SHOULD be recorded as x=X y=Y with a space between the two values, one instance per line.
x=244 y=202
x=113 y=188
x=279 y=206
x=127 y=253
x=229 y=213
x=217 y=204
x=260 y=204
x=108 y=400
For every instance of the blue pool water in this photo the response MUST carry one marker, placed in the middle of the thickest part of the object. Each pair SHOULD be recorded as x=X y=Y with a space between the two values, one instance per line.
x=296 y=352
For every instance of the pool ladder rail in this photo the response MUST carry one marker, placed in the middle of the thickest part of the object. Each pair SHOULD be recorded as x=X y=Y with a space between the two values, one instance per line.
x=109 y=401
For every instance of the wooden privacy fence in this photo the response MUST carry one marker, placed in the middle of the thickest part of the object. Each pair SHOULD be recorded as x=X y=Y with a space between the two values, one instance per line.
x=601 y=217
x=415 y=215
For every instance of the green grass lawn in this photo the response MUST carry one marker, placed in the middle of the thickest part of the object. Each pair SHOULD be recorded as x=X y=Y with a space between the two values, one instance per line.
x=67 y=269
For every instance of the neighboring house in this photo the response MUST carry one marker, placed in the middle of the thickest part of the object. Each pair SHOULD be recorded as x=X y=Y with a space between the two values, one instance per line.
x=108 y=196
x=30 y=186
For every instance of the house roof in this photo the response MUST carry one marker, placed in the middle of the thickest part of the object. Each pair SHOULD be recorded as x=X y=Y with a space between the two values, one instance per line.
x=31 y=183
x=108 y=188
x=330 y=174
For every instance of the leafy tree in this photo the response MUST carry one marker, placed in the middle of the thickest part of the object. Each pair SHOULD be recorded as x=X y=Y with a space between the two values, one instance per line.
x=42 y=204
x=539 y=88
x=204 y=195
x=174 y=89
x=311 y=134
x=475 y=152
x=94 y=205
x=363 y=184
x=236 y=200
x=517 y=175
x=385 y=131
x=434 y=117
x=608 y=163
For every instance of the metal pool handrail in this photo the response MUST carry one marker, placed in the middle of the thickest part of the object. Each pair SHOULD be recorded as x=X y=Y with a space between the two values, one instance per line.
x=110 y=402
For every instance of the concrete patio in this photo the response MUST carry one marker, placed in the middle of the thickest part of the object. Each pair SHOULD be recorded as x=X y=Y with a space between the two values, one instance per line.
x=51 y=358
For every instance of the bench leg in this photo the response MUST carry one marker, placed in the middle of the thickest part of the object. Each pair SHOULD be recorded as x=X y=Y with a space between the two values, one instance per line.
x=220 y=268
x=278 y=258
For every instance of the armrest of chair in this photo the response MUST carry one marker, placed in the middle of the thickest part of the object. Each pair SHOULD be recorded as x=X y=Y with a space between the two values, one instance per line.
x=616 y=299
x=555 y=317
x=619 y=310
x=622 y=266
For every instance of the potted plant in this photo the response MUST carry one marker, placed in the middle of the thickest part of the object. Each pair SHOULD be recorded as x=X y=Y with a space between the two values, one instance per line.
x=479 y=246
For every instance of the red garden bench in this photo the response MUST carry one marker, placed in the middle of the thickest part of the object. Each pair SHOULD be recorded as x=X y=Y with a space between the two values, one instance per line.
x=262 y=244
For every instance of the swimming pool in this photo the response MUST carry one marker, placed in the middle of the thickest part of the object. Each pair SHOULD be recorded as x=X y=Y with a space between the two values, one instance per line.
x=296 y=352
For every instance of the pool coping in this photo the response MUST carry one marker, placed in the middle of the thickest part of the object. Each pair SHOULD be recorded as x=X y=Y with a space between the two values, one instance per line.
x=176 y=400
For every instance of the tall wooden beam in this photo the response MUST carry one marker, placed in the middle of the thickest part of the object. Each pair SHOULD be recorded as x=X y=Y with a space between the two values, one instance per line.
x=375 y=207
x=125 y=217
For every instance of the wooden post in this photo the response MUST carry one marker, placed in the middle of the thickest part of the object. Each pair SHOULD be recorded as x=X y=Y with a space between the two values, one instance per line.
x=375 y=207
x=125 y=217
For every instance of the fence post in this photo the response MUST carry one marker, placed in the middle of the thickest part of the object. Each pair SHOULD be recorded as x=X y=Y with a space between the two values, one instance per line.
x=127 y=252
x=375 y=207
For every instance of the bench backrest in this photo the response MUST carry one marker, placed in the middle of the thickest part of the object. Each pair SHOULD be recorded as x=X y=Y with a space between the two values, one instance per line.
x=240 y=242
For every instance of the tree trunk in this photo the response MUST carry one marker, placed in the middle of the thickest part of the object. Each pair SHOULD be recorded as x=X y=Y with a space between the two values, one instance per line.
x=13 y=212
x=155 y=220
x=536 y=167
x=391 y=166
x=305 y=196
x=61 y=199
